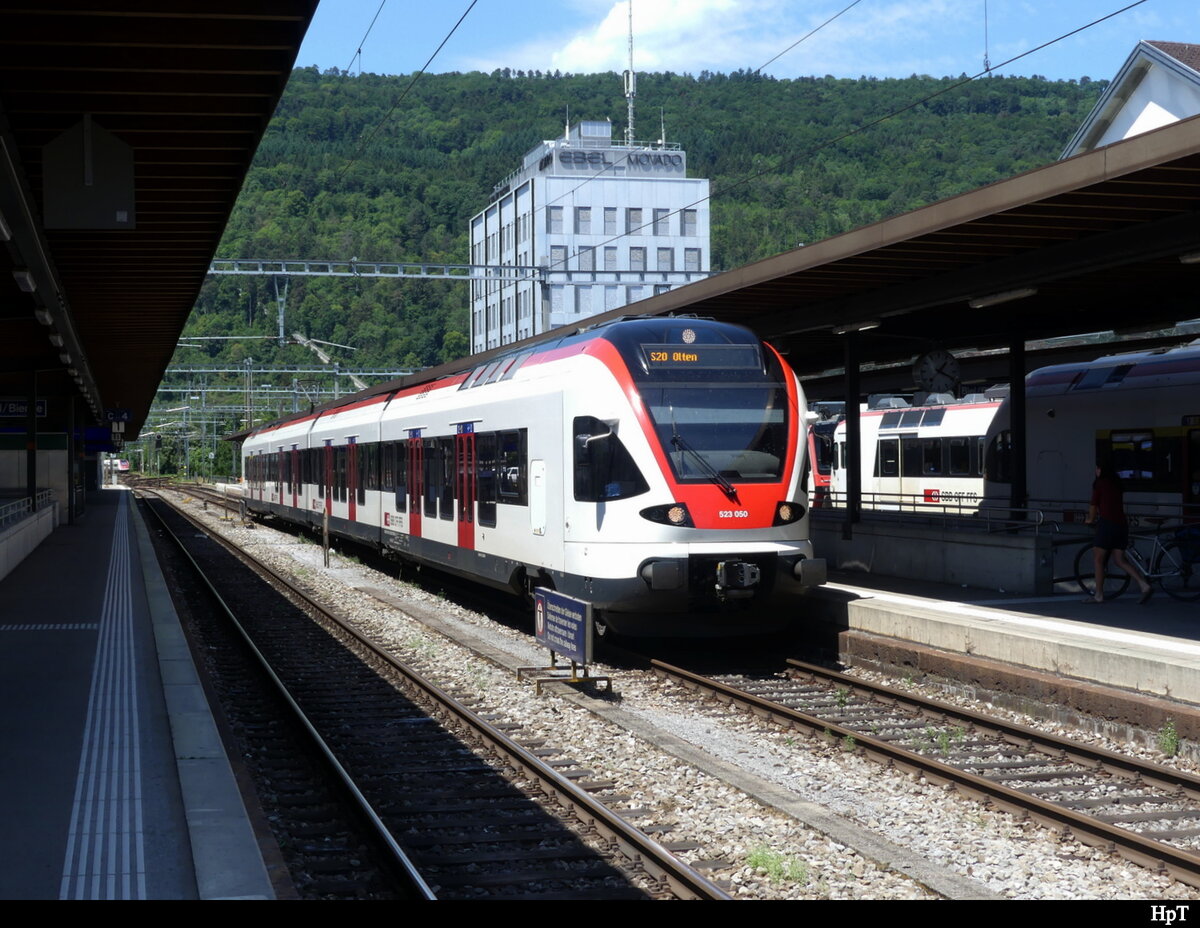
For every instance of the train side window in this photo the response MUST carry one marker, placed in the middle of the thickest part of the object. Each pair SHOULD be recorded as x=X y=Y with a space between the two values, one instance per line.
x=433 y=477
x=1146 y=461
x=448 y=482
x=959 y=457
x=604 y=468
x=933 y=417
x=931 y=457
x=514 y=464
x=387 y=467
x=485 y=475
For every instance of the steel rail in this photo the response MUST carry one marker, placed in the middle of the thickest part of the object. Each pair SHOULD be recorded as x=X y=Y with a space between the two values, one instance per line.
x=1182 y=865
x=633 y=843
x=399 y=856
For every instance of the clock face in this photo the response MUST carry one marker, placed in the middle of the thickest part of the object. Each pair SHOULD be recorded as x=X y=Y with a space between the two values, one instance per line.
x=937 y=371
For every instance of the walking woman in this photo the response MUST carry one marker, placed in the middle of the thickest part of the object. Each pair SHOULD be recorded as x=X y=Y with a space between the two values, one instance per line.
x=1107 y=513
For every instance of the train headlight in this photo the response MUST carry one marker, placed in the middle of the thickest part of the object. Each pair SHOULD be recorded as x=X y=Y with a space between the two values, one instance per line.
x=788 y=512
x=670 y=514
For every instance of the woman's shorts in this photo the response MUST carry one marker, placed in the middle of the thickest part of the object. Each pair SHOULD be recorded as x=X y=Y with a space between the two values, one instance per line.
x=1111 y=535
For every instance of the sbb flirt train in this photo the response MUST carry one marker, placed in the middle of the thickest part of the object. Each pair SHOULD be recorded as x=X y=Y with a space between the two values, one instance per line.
x=651 y=466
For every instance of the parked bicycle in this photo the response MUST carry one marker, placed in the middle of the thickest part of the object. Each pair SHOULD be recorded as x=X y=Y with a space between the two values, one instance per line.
x=1171 y=558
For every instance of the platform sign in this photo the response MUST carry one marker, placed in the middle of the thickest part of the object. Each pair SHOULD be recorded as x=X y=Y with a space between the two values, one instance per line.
x=563 y=624
x=16 y=407
x=118 y=415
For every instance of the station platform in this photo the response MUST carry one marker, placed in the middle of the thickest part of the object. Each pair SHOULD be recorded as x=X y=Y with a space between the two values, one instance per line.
x=1129 y=664
x=114 y=783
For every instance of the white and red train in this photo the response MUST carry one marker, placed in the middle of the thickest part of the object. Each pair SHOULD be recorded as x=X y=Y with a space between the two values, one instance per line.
x=1141 y=410
x=915 y=457
x=653 y=467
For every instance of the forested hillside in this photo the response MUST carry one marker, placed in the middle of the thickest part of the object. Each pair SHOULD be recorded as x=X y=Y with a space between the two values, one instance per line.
x=341 y=174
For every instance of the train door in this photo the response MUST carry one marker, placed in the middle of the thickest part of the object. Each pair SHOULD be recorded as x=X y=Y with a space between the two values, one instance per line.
x=909 y=488
x=886 y=471
x=280 y=474
x=465 y=483
x=416 y=480
x=352 y=476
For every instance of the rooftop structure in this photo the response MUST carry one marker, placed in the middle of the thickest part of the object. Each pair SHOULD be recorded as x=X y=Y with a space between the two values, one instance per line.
x=610 y=223
x=1158 y=84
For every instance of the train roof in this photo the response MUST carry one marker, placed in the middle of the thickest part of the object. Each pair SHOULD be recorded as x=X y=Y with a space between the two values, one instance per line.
x=1155 y=368
x=468 y=372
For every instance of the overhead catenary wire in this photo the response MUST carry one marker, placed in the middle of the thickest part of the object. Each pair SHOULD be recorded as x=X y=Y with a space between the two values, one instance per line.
x=363 y=41
x=808 y=36
x=404 y=93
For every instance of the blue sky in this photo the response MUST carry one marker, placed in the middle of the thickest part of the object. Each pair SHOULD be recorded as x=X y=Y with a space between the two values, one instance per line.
x=879 y=38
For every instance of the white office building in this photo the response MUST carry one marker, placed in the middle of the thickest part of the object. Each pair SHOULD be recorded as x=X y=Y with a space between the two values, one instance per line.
x=604 y=223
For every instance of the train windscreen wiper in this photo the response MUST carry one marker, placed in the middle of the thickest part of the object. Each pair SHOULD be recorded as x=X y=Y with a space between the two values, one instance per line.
x=709 y=471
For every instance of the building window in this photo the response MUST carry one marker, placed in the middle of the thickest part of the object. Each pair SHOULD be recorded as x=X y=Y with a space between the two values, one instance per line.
x=666 y=259
x=610 y=220
x=587 y=259
x=583 y=300
x=637 y=259
x=610 y=258
x=660 y=222
x=633 y=221
x=691 y=259
x=558 y=257
x=687 y=222
x=554 y=219
x=583 y=220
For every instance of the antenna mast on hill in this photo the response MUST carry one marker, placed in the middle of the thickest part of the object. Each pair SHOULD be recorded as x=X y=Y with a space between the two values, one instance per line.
x=630 y=83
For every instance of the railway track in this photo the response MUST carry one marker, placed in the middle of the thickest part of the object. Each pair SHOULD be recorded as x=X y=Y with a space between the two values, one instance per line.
x=476 y=813
x=1148 y=813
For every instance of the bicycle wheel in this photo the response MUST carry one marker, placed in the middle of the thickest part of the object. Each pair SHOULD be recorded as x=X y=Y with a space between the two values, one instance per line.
x=1116 y=581
x=1179 y=578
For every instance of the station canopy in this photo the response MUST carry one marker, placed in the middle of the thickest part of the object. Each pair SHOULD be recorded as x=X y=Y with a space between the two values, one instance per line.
x=126 y=131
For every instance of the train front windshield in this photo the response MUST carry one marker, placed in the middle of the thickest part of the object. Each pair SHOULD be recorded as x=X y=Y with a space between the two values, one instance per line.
x=736 y=430
x=717 y=398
